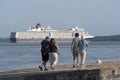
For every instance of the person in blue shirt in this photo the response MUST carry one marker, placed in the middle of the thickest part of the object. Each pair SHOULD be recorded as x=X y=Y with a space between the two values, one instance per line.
x=83 y=44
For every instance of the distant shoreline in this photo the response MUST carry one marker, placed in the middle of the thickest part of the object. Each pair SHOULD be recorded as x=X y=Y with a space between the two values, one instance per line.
x=107 y=38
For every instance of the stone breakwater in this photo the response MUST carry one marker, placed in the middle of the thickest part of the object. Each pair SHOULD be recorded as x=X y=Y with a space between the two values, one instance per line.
x=103 y=71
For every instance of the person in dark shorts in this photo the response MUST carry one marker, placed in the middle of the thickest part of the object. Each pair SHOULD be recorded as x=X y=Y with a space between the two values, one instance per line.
x=44 y=53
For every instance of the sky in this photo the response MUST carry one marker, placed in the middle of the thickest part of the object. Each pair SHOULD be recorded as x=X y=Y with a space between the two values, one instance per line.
x=97 y=17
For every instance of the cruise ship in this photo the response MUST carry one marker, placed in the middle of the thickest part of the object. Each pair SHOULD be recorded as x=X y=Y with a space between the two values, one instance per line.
x=38 y=33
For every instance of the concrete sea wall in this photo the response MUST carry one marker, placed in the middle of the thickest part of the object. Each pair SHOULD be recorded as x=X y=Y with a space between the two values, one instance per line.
x=104 y=71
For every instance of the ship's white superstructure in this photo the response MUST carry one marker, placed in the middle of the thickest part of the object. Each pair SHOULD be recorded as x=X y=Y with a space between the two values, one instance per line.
x=48 y=28
x=38 y=33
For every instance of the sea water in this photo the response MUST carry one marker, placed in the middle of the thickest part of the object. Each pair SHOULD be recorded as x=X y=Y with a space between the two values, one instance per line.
x=14 y=56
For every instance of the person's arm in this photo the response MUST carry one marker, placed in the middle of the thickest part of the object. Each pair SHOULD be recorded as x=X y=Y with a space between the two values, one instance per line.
x=46 y=49
x=87 y=43
x=72 y=45
x=47 y=46
x=57 y=48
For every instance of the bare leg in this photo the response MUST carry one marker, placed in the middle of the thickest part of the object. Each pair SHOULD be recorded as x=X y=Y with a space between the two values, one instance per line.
x=44 y=63
x=78 y=60
x=43 y=66
x=74 y=62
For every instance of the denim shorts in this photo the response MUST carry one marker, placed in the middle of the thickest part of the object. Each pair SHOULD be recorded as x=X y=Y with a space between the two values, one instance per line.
x=75 y=53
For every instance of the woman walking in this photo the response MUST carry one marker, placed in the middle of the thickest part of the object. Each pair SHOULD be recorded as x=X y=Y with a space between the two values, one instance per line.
x=54 y=51
x=83 y=44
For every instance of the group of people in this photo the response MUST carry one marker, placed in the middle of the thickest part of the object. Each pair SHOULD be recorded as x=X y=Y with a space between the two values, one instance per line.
x=50 y=51
x=78 y=47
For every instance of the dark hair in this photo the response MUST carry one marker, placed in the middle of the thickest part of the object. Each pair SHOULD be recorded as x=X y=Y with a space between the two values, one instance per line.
x=52 y=41
x=47 y=38
x=38 y=24
x=76 y=34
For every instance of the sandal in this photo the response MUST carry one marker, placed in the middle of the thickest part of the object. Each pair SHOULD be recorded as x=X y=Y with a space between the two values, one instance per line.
x=41 y=68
